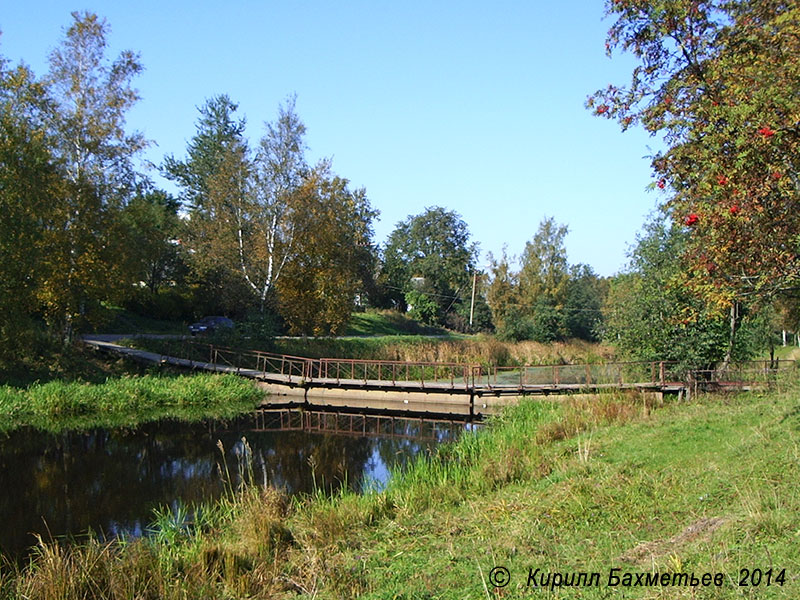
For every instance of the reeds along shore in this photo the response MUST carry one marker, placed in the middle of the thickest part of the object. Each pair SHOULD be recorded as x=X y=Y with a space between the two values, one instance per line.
x=482 y=350
x=473 y=350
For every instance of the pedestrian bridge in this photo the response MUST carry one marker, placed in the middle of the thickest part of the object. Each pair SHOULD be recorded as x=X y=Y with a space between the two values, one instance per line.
x=438 y=388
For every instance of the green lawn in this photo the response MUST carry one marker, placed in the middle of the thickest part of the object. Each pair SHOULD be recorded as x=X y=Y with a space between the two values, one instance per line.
x=388 y=322
x=707 y=487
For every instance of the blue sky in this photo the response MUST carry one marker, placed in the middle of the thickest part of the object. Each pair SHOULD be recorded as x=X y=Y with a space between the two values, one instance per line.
x=474 y=106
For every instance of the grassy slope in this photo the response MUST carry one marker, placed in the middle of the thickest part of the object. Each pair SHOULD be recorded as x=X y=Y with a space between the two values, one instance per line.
x=583 y=485
x=388 y=322
x=709 y=487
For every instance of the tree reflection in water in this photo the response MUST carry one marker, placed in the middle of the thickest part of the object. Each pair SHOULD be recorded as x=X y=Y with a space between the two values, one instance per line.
x=109 y=481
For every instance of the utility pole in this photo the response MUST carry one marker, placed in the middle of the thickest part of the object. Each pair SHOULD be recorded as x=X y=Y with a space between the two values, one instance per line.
x=472 y=304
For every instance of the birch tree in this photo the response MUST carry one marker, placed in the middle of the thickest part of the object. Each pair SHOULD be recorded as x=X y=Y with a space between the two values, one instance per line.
x=242 y=204
x=280 y=170
x=90 y=98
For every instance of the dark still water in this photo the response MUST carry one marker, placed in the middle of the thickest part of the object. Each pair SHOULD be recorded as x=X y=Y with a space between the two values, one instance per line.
x=110 y=481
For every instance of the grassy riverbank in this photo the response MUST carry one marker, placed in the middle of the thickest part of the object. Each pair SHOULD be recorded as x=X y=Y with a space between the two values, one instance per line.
x=584 y=485
x=125 y=401
x=371 y=335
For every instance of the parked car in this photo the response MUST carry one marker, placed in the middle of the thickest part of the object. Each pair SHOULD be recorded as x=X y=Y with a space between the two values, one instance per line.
x=210 y=325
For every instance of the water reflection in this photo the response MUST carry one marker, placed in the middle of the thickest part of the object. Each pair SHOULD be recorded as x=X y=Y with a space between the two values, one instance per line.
x=110 y=481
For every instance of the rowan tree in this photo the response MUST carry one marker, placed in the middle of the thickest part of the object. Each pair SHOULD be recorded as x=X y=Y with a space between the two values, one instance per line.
x=718 y=81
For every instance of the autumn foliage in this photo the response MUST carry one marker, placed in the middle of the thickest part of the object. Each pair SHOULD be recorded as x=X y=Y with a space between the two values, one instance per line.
x=718 y=81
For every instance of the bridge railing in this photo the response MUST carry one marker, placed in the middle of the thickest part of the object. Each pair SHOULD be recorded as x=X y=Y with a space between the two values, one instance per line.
x=298 y=369
x=600 y=374
x=394 y=372
x=293 y=368
x=750 y=372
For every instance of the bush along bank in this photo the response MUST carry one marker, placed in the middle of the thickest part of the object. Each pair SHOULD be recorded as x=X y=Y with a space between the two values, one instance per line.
x=612 y=485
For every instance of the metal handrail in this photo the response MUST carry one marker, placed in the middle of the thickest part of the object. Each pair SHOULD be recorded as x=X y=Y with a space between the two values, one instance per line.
x=626 y=373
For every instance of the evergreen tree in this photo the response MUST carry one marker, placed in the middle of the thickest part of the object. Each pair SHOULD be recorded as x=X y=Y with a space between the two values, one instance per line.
x=218 y=131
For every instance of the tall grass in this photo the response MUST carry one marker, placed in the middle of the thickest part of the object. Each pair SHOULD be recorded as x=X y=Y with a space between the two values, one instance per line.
x=58 y=405
x=483 y=350
x=478 y=350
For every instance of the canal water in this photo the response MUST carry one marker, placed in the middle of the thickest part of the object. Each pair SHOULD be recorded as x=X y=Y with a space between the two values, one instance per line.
x=110 y=481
